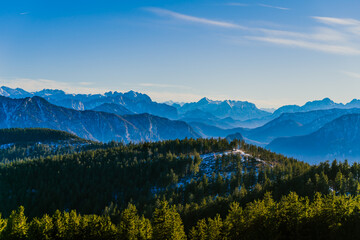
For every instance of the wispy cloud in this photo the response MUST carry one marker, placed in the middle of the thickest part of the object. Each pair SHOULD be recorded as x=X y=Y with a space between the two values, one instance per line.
x=86 y=83
x=348 y=24
x=330 y=35
x=161 y=95
x=275 y=7
x=338 y=49
x=39 y=84
x=24 y=13
x=188 y=18
x=352 y=74
x=156 y=85
x=237 y=4
x=256 y=5
x=339 y=36
x=176 y=96
x=337 y=21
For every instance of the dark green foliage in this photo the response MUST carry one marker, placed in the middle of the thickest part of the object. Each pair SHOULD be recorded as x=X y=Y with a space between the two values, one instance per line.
x=24 y=135
x=173 y=191
x=292 y=217
x=167 y=223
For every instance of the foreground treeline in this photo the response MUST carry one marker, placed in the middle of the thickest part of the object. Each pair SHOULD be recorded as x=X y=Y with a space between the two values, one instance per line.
x=292 y=217
x=103 y=181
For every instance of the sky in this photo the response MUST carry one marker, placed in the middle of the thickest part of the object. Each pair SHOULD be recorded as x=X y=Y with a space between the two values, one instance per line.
x=271 y=53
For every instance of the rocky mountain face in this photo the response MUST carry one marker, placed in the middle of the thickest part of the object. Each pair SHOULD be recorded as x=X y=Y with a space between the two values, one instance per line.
x=323 y=104
x=14 y=93
x=92 y=125
x=135 y=102
x=338 y=139
x=247 y=115
x=222 y=109
x=113 y=108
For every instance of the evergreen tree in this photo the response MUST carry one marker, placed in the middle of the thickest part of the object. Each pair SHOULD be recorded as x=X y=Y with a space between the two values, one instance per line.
x=17 y=226
x=41 y=229
x=167 y=223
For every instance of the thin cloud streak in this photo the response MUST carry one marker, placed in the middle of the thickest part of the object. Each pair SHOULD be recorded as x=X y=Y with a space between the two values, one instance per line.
x=275 y=7
x=156 y=85
x=343 y=50
x=349 y=24
x=259 y=5
x=334 y=40
x=237 y=4
x=321 y=34
x=337 y=21
x=40 y=84
x=162 y=96
x=188 y=18
x=352 y=74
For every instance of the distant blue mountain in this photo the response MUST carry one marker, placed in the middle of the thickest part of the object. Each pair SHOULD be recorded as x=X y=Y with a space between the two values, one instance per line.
x=133 y=101
x=287 y=125
x=323 y=104
x=36 y=112
x=112 y=108
x=296 y=124
x=338 y=139
x=238 y=110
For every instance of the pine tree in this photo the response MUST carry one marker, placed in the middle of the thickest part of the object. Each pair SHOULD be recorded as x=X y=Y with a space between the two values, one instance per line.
x=41 y=229
x=144 y=229
x=17 y=226
x=60 y=223
x=3 y=223
x=167 y=223
x=215 y=228
x=199 y=232
x=132 y=226
x=234 y=222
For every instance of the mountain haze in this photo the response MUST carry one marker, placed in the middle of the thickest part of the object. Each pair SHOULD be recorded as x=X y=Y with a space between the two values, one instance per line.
x=133 y=101
x=338 y=139
x=238 y=110
x=100 y=126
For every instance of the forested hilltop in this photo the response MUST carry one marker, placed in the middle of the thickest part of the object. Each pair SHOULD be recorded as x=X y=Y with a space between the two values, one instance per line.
x=19 y=144
x=196 y=189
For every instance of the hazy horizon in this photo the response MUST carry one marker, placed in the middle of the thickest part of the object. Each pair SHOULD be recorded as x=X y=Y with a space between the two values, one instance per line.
x=84 y=91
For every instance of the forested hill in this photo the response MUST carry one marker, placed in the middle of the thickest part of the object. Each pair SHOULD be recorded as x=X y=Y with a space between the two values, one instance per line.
x=31 y=135
x=177 y=188
x=186 y=171
x=27 y=143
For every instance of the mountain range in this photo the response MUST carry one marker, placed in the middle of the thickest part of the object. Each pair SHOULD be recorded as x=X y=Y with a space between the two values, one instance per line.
x=134 y=117
x=338 y=139
x=36 y=112
x=133 y=101
x=239 y=110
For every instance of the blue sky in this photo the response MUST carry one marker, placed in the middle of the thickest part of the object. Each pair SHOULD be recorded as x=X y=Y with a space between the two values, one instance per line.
x=268 y=52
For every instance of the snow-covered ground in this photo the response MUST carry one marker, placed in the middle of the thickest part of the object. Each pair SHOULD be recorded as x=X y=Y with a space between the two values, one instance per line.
x=211 y=163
